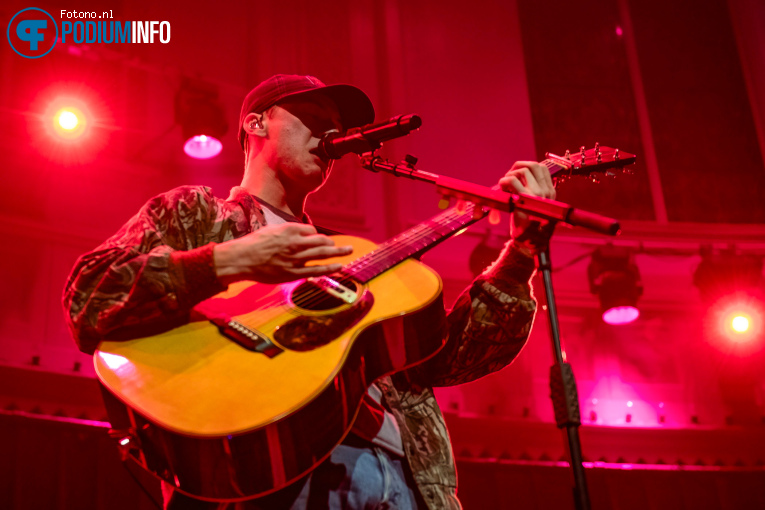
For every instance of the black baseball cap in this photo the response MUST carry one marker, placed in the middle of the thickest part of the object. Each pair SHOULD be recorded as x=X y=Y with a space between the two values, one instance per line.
x=355 y=107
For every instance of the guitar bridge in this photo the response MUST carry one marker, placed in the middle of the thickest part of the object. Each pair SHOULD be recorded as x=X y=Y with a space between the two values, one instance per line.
x=249 y=338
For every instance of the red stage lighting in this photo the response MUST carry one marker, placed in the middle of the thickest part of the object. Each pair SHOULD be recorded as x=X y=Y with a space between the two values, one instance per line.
x=618 y=315
x=731 y=284
x=740 y=324
x=741 y=320
x=615 y=279
x=735 y=325
x=726 y=272
x=69 y=122
x=202 y=147
x=202 y=119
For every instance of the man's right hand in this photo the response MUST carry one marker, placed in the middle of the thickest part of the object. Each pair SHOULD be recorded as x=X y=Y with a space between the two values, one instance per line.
x=276 y=254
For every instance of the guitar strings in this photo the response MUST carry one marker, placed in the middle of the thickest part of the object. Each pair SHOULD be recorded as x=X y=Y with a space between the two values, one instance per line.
x=417 y=233
x=391 y=246
x=388 y=248
x=441 y=220
x=315 y=295
x=382 y=252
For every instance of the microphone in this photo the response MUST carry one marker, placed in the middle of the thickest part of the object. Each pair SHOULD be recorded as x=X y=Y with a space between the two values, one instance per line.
x=366 y=138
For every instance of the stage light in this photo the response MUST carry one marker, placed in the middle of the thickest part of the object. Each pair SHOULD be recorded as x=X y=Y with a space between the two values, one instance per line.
x=731 y=285
x=67 y=120
x=201 y=118
x=727 y=272
x=741 y=320
x=70 y=123
x=736 y=321
x=620 y=315
x=615 y=279
x=202 y=147
x=740 y=324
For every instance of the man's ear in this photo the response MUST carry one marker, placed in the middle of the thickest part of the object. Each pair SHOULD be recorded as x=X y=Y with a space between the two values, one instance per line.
x=255 y=124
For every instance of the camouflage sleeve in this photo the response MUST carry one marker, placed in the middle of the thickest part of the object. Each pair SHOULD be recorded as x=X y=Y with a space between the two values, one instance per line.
x=148 y=276
x=489 y=324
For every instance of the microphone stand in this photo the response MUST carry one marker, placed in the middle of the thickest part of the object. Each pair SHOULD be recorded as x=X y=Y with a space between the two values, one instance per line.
x=563 y=392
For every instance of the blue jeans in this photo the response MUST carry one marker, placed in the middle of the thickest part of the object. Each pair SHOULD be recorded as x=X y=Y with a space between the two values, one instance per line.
x=357 y=476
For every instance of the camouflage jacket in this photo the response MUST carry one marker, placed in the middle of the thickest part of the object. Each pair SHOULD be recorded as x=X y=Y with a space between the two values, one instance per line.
x=148 y=276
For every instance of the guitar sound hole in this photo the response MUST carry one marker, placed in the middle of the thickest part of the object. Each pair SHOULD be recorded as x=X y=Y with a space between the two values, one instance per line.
x=318 y=294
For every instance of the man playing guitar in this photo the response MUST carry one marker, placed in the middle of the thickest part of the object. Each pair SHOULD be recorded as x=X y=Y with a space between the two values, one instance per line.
x=186 y=246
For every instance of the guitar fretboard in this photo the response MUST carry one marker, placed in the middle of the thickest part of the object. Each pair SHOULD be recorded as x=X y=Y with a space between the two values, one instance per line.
x=417 y=239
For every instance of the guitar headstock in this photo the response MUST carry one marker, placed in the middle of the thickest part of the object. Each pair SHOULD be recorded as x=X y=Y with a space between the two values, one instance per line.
x=590 y=163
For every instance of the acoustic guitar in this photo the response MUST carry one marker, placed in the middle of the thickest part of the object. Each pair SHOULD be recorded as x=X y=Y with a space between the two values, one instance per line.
x=265 y=380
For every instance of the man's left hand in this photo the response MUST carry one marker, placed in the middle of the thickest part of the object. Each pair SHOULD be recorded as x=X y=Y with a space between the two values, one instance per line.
x=530 y=178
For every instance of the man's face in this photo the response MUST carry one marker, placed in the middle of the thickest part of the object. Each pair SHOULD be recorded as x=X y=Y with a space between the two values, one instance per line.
x=294 y=131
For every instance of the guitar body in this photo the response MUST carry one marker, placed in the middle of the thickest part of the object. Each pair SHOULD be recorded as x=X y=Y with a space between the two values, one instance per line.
x=225 y=417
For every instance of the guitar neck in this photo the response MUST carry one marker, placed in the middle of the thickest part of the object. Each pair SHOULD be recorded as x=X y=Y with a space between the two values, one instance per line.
x=424 y=236
x=419 y=239
x=409 y=243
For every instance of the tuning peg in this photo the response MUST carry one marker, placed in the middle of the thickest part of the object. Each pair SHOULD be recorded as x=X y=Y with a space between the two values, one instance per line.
x=494 y=217
x=597 y=147
x=599 y=157
x=581 y=151
x=616 y=153
x=443 y=203
x=567 y=155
